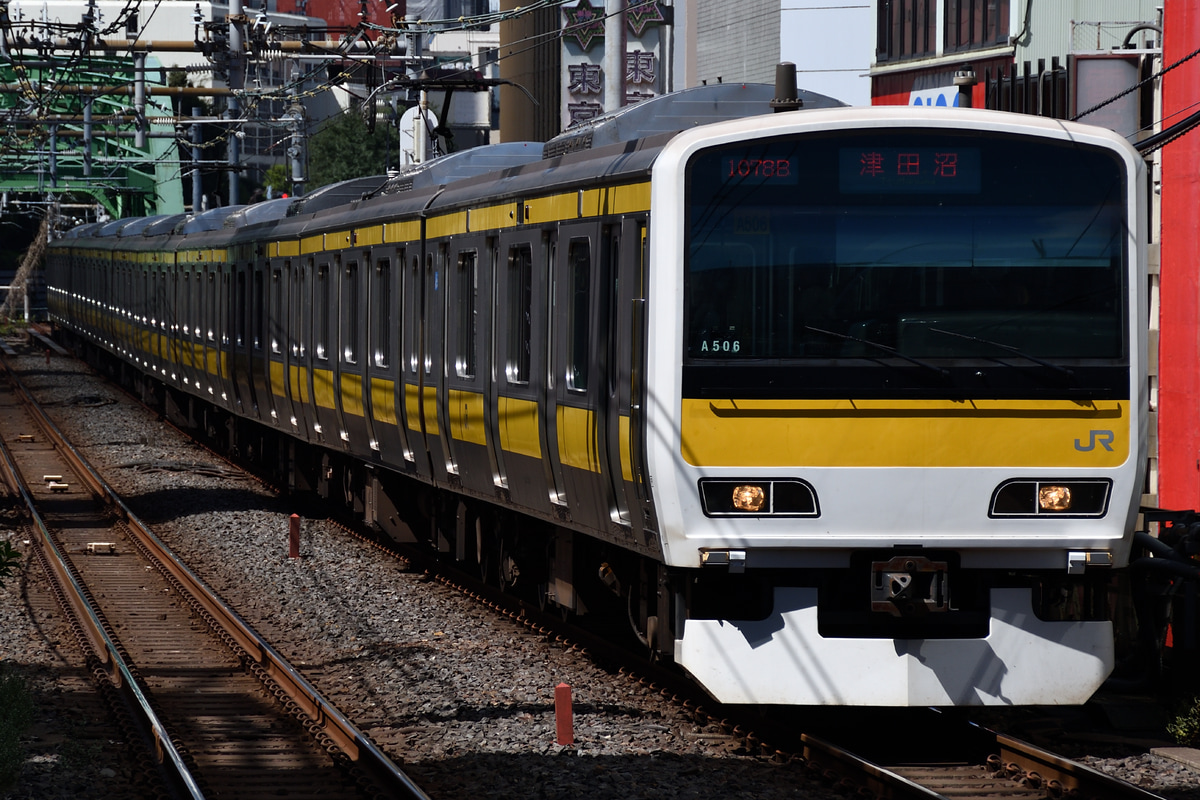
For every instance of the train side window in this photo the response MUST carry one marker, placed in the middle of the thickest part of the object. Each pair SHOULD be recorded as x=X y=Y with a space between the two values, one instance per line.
x=298 y=301
x=321 y=313
x=198 y=310
x=414 y=317
x=144 y=299
x=162 y=299
x=257 y=326
x=520 y=309
x=350 y=313
x=239 y=312
x=211 y=303
x=225 y=310
x=381 y=328
x=276 y=308
x=187 y=303
x=430 y=281
x=579 y=287
x=468 y=287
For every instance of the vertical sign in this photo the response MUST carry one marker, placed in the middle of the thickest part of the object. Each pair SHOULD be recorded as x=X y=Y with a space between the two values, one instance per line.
x=583 y=46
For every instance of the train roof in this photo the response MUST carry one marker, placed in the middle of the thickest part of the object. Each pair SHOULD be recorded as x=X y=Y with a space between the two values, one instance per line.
x=464 y=164
x=676 y=112
x=336 y=194
x=165 y=223
x=211 y=220
x=265 y=211
x=81 y=230
x=622 y=142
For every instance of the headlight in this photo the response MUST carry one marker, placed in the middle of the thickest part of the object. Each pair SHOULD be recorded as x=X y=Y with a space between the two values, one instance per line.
x=749 y=497
x=1054 y=498
x=1031 y=497
x=789 y=497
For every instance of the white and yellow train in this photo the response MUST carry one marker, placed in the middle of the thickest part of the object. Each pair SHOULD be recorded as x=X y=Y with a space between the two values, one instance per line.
x=839 y=405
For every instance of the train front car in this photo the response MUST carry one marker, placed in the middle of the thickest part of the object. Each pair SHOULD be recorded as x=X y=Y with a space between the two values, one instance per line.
x=898 y=412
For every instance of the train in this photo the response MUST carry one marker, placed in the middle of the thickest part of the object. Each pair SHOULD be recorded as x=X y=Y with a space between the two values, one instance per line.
x=835 y=405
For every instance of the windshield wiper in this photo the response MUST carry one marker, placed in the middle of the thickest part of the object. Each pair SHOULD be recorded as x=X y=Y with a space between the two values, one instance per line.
x=885 y=348
x=1007 y=347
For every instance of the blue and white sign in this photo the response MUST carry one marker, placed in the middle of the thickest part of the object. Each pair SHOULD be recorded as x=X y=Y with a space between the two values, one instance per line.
x=944 y=96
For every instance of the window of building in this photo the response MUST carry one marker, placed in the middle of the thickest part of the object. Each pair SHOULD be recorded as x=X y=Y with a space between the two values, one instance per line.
x=906 y=29
x=975 y=24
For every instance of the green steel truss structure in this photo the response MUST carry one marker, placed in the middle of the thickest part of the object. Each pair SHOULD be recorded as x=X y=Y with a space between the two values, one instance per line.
x=51 y=145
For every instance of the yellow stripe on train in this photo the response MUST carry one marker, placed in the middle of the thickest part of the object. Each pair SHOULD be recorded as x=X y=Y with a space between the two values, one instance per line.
x=466 y=417
x=905 y=433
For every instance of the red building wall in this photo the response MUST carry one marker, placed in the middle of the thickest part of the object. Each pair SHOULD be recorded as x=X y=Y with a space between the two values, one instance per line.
x=1179 y=320
x=893 y=89
x=343 y=13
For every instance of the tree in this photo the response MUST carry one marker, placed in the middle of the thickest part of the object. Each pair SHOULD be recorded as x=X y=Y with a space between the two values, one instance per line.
x=345 y=149
x=277 y=179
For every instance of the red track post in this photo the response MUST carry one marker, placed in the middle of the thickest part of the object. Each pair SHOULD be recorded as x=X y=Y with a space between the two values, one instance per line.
x=294 y=536
x=564 y=722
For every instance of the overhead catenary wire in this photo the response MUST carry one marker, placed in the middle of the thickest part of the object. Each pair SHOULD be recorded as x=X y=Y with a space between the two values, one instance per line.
x=82 y=35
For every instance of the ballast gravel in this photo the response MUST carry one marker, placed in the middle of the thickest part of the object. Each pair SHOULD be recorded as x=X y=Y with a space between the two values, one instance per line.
x=461 y=698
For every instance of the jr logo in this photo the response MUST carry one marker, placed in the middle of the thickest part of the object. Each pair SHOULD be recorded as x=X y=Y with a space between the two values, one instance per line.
x=1102 y=438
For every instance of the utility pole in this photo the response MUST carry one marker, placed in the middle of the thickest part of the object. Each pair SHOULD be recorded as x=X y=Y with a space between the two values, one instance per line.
x=237 y=82
x=197 y=184
x=297 y=126
x=139 y=99
x=614 y=55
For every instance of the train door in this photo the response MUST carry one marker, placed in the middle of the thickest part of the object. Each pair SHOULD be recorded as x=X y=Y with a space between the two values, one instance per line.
x=326 y=422
x=189 y=303
x=221 y=340
x=433 y=365
x=160 y=294
x=258 y=365
x=519 y=400
x=174 y=321
x=384 y=387
x=351 y=356
x=273 y=373
x=413 y=364
x=240 y=339
x=468 y=347
x=223 y=351
x=209 y=331
x=579 y=389
x=625 y=435
x=299 y=303
x=205 y=358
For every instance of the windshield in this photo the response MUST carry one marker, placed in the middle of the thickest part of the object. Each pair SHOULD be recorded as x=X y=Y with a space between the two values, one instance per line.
x=924 y=249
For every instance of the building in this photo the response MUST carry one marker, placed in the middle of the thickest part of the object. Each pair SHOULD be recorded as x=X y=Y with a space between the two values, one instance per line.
x=555 y=58
x=1022 y=55
x=1178 y=396
x=829 y=41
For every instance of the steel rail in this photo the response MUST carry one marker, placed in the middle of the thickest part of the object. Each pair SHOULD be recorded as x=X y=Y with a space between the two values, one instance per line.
x=1026 y=765
x=1063 y=775
x=355 y=744
x=107 y=653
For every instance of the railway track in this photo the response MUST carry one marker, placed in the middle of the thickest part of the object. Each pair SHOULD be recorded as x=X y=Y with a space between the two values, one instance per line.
x=221 y=712
x=934 y=757
x=929 y=756
x=954 y=763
